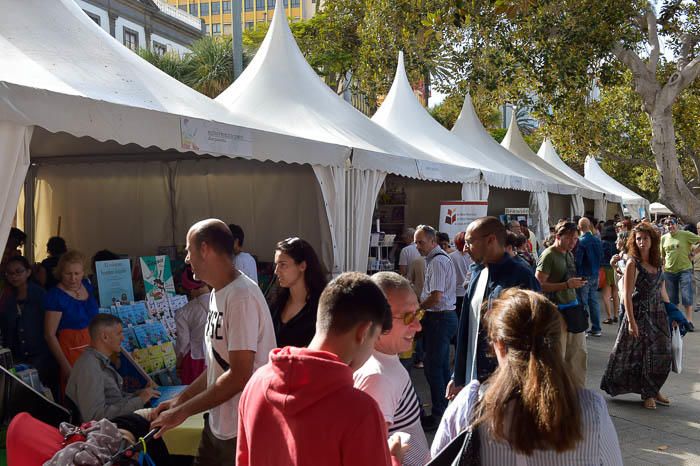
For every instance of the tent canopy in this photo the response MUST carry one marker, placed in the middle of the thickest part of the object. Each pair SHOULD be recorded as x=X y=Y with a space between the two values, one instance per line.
x=279 y=88
x=549 y=154
x=595 y=174
x=405 y=117
x=515 y=143
x=659 y=209
x=71 y=76
x=469 y=129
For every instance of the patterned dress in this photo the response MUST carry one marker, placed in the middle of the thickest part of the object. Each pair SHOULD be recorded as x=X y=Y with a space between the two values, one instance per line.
x=641 y=365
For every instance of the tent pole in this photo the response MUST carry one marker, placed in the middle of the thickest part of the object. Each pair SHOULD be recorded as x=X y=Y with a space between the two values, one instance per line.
x=29 y=219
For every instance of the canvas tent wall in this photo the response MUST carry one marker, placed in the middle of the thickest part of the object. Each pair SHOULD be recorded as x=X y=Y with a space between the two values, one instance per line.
x=636 y=205
x=84 y=94
x=303 y=104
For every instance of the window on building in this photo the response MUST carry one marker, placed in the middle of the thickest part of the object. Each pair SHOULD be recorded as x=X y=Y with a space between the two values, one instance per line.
x=94 y=17
x=248 y=4
x=286 y=3
x=271 y=4
x=193 y=9
x=183 y=7
x=216 y=29
x=227 y=30
x=206 y=29
x=249 y=25
x=204 y=9
x=260 y=4
x=226 y=7
x=215 y=8
x=295 y=3
x=131 y=39
x=160 y=49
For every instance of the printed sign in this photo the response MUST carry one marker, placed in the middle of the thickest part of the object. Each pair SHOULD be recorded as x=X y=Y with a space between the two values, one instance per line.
x=455 y=216
x=157 y=277
x=114 y=282
x=215 y=138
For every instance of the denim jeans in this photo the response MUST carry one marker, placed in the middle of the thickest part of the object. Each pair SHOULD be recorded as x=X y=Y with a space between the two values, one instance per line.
x=682 y=280
x=588 y=295
x=438 y=329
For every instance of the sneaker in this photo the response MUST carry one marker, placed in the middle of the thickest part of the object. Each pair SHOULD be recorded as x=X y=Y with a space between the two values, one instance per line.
x=690 y=327
x=590 y=333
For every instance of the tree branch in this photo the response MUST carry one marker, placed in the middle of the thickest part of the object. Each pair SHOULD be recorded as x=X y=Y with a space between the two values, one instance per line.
x=628 y=161
x=688 y=42
x=653 y=35
x=645 y=82
x=679 y=81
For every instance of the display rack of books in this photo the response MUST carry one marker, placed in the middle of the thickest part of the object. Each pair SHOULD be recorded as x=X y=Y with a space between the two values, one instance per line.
x=391 y=209
x=149 y=333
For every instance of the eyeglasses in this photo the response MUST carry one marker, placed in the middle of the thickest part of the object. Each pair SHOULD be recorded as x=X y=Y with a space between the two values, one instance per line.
x=10 y=273
x=468 y=242
x=409 y=317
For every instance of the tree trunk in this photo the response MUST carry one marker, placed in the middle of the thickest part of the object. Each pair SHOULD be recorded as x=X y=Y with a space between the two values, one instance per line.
x=673 y=191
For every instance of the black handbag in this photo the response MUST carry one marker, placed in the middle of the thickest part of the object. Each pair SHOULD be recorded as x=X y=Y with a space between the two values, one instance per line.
x=575 y=316
x=463 y=450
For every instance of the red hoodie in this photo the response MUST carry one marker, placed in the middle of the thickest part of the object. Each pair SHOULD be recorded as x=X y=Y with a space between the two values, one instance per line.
x=301 y=409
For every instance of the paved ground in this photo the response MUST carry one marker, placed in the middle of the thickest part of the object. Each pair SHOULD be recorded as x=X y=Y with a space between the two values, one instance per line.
x=667 y=436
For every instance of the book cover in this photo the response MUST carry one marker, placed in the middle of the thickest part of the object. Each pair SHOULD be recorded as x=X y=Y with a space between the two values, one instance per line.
x=141 y=333
x=157 y=276
x=135 y=377
x=130 y=342
x=169 y=356
x=167 y=393
x=114 y=282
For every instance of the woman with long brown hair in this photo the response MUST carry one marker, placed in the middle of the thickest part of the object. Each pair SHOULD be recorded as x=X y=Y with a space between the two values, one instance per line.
x=530 y=410
x=641 y=358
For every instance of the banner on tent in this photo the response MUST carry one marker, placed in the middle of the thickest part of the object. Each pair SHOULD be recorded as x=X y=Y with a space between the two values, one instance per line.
x=455 y=216
x=215 y=138
x=517 y=213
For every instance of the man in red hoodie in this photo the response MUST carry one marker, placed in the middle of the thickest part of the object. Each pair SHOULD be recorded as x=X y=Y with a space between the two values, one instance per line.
x=301 y=407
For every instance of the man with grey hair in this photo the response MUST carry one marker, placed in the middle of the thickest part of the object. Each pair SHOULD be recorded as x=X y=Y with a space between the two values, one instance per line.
x=385 y=379
x=440 y=323
x=238 y=338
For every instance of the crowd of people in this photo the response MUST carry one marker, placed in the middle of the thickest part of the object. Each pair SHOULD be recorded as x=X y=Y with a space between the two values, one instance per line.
x=316 y=371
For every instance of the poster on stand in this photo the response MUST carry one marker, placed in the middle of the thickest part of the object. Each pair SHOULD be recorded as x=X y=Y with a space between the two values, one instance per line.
x=114 y=282
x=157 y=277
x=455 y=216
x=519 y=214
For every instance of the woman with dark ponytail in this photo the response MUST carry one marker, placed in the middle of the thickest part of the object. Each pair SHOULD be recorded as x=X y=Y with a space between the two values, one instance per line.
x=530 y=410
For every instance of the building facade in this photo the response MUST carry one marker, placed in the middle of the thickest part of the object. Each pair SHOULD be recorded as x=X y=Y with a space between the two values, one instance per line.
x=149 y=24
x=217 y=14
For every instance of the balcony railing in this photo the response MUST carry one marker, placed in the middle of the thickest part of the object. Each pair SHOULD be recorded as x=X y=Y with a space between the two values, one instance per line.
x=177 y=13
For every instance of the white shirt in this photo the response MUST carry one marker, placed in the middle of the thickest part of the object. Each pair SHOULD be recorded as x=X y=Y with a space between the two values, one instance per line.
x=408 y=254
x=461 y=263
x=599 y=445
x=245 y=263
x=386 y=380
x=190 y=321
x=238 y=320
x=440 y=276
x=475 y=322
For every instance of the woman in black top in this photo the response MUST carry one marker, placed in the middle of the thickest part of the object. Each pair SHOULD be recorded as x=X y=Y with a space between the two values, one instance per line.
x=22 y=322
x=301 y=280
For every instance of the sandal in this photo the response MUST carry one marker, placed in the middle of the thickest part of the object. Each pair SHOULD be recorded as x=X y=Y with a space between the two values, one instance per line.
x=649 y=403
x=662 y=400
x=608 y=321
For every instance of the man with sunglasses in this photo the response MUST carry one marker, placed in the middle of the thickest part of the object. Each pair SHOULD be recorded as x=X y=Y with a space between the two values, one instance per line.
x=676 y=246
x=385 y=379
x=493 y=271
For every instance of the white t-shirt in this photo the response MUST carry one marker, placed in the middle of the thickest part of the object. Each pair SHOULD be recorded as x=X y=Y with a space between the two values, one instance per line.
x=245 y=263
x=461 y=263
x=408 y=254
x=386 y=380
x=190 y=321
x=238 y=320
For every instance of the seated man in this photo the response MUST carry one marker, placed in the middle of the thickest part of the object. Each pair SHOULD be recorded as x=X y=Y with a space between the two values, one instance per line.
x=94 y=385
x=385 y=379
x=301 y=408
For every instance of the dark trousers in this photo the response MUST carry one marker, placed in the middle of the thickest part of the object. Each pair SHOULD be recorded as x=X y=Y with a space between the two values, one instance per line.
x=439 y=328
x=213 y=450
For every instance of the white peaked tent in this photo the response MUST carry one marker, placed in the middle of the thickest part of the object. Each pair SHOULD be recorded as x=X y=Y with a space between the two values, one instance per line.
x=405 y=117
x=68 y=90
x=631 y=200
x=280 y=89
x=600 y=195
x=658 y=208
x=470 y=130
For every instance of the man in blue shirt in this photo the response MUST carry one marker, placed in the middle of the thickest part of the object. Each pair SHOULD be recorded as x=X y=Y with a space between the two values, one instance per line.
x=589 y=255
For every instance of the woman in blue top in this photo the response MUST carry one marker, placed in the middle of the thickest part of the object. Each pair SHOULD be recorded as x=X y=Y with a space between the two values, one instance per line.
x=69 y=308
